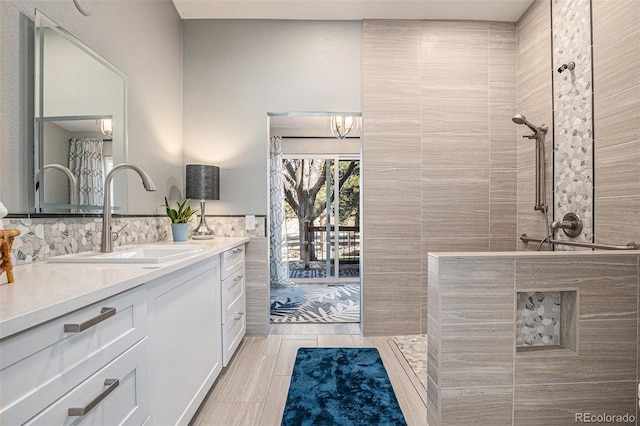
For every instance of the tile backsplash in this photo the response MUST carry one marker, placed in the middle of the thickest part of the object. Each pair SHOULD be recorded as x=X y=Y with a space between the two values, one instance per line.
x=41 y=238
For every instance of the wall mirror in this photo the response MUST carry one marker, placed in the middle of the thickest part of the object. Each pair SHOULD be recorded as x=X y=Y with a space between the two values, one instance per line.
x=80 y=124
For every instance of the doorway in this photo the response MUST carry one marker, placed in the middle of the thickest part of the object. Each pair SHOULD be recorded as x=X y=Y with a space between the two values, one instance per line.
x=315 y=269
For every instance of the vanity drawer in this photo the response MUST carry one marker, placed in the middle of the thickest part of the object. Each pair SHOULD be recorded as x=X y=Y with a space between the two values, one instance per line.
x=120 y=384
x=232 y=260
x=233 y=290
x=233 y=331
x=40 y=365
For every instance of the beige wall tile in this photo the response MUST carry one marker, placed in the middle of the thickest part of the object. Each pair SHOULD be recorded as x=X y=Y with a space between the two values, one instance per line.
x=455 y=243
x=502 y=44
x=503 y=222
x=395 y=79
x=257 y=287
x=615 y=20
x=433 y=350
x=455 y=202
x=433 y=403
x=616 y=118
x=455 y=185
x=457 y=219
x=454 y=43
x=503 y=186
x=455 y=150
x=477 y=406
x=464 y=81
x=476 y=354
x=391 y=115
x=389 y=151
x=444 y=115
x=618 y=170
x=392 y=220
x=537 y=16
x=617 y=219
x=561 y=402
x=615 y=63
x=434 y=288
x=503 y=244
x=503 y=150
x=477 y=290
x=501 y=112
x=388 y=41
x=607 y=352
x=392 y=185
x=532 y=223
x=405 y=320
x=392 y=255
x=608 y=285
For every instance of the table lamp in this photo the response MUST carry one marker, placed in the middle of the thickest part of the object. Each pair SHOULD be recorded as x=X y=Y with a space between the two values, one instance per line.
x=203 y=183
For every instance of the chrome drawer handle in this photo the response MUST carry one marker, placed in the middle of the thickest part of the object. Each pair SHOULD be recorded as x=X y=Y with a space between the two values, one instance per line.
x=111 y=384
x=238 y=278
x=76 y=328
x=237 y=317
x=236 y=251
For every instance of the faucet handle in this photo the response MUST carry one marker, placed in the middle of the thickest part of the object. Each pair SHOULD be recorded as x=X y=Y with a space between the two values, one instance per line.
x=116 y=234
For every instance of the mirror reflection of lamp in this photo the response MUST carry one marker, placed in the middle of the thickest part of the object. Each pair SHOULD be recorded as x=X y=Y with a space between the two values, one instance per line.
x=342 y=125
x=106 y=126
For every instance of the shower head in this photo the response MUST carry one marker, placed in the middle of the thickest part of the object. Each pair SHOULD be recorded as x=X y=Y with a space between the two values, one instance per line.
x=521 y=119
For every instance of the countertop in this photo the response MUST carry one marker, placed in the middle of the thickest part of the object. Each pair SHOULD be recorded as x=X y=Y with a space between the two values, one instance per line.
x=43 y=291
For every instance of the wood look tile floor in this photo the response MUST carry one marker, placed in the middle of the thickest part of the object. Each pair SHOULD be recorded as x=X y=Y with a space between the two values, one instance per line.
x=253 y=389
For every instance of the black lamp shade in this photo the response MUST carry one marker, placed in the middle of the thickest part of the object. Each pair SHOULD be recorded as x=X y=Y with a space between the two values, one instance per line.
x=203 y=182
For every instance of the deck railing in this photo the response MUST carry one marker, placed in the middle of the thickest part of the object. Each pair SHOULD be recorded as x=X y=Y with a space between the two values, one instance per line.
x=348 y=243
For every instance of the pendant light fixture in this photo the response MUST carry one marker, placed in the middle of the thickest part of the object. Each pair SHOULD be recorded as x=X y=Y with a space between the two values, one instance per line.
x=342 y=125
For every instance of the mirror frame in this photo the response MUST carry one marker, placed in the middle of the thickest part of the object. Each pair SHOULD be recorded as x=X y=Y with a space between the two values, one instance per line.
x=119 y=155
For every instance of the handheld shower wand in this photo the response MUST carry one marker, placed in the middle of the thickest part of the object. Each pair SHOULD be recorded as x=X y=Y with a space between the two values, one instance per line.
x=539 y=133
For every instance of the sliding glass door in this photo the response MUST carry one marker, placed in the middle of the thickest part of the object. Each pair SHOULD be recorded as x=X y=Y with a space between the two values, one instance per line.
x=322 y=198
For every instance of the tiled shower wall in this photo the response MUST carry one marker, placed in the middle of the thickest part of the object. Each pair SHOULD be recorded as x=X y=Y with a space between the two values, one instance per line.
x=534 y=100
x=616 y=62
x=615 y=174
x=439 y=158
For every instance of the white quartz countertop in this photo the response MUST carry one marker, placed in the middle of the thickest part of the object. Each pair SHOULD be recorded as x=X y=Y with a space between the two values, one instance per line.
x=43 y=291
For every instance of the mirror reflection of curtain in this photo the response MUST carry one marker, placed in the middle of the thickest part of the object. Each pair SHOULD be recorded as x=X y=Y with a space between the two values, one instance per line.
x=85 y=161
x=279 y=268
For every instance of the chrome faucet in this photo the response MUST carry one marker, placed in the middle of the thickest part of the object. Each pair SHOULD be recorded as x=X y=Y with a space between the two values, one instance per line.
x=105 y=243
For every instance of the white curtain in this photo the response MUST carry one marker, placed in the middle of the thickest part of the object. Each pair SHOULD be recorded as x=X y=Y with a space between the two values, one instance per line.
x=279 y=268
x=85 y=161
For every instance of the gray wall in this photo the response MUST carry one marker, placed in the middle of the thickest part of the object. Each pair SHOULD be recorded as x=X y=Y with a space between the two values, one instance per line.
x=143 y=39
x=237 y=71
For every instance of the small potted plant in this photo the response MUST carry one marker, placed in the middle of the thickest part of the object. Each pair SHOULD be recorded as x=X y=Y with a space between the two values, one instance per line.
x=180 y=219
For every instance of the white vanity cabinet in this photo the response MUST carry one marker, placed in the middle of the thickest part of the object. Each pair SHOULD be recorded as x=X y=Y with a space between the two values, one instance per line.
x=56 y=373
x=234 y=305
x=185 y=355
x=136 y=345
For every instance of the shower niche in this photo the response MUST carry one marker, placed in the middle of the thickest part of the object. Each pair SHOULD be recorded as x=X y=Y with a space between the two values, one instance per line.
x=547 y=320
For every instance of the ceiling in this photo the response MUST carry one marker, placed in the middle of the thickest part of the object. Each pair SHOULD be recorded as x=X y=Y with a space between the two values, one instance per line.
x=484 y=10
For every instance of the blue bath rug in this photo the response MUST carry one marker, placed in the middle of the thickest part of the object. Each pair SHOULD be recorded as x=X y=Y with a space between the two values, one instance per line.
x=341 y=386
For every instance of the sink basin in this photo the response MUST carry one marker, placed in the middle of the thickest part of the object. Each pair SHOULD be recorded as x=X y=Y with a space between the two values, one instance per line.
x=142 y=254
